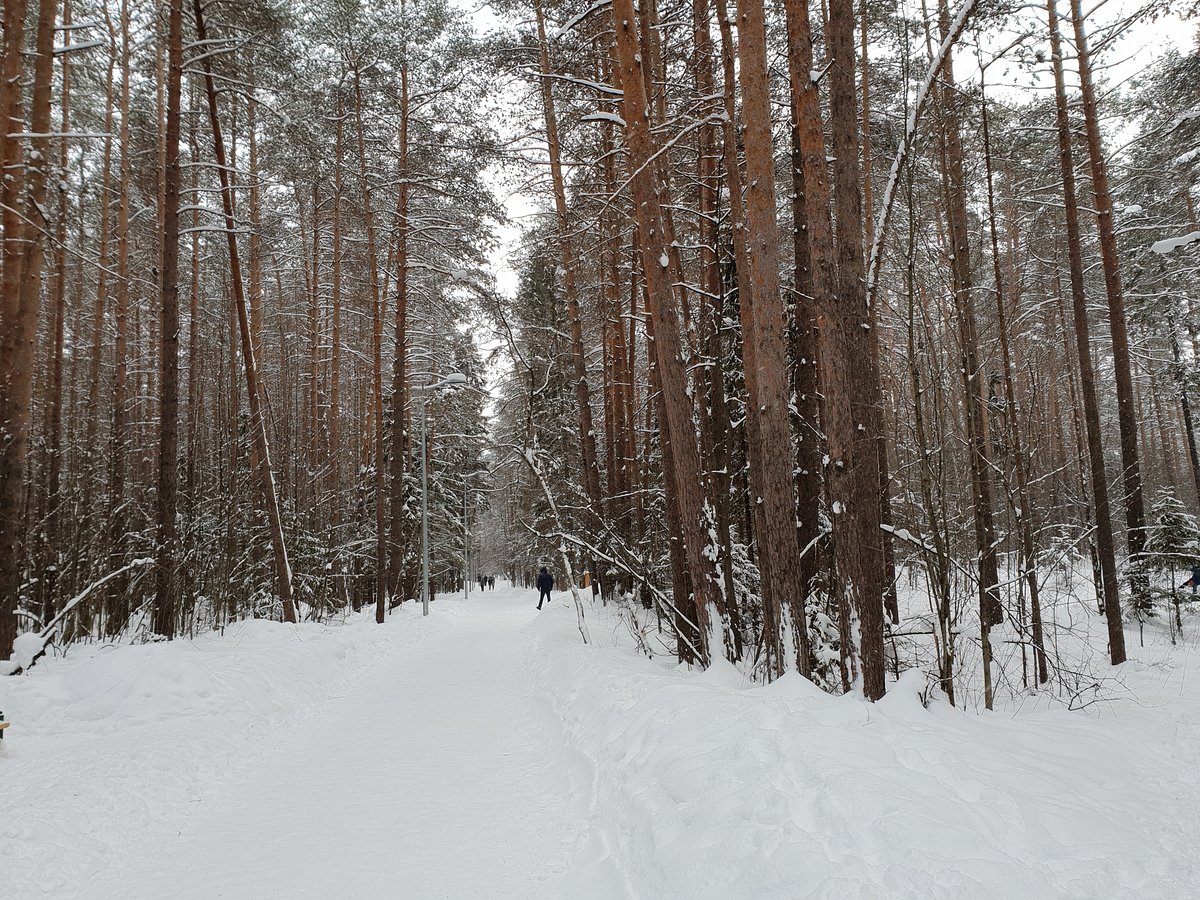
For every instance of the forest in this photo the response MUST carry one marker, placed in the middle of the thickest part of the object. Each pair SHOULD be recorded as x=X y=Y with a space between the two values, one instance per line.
x=834 y=338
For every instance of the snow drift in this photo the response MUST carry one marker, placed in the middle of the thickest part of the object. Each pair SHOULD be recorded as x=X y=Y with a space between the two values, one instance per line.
x=708 y=787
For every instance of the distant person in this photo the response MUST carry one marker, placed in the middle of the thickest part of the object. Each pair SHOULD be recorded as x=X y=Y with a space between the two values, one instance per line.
x=1193 y=582
x=491 y=582
x=545 y=584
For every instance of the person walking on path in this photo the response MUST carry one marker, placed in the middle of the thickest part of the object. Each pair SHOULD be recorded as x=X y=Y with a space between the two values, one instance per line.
x=545 y=584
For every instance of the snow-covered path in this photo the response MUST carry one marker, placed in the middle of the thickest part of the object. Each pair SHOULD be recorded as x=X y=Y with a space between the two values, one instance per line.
x=485 y=751
x=418 y=761
x=431 y=778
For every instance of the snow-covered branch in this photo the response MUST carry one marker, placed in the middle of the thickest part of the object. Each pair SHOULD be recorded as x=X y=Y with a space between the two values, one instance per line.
x=29 y=646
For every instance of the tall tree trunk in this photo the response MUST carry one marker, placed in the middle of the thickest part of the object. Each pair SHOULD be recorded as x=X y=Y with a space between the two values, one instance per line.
x=258 y=425
x=92 y=432
x=24 y=254
x=194 y=389
x=583 y=399
x=1104 y=535
x=165 y=603
x=757 y=525
x=712 y=313
x=334 y=460
x=661 y=272
x=51 y=518
x=805 y=354
x=974 y=392
x=313 y=424
x=1024 y=503
x=400 y=581
x=855 y=469
x=688 y=637
x=381 y=557
x=119 y=439
x=1131 y=470
x=830 y=349
x=767 y=379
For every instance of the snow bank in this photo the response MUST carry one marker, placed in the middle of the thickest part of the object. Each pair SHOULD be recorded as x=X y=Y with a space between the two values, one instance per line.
x=110 y=742
x=25 y=650
x=705 y=786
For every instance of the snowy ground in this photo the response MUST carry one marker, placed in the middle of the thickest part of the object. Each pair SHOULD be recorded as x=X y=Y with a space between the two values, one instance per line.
x=485 y=752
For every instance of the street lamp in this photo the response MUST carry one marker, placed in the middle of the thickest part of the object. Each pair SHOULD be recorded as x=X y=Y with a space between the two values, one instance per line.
x=466 y=536
x=451 y=382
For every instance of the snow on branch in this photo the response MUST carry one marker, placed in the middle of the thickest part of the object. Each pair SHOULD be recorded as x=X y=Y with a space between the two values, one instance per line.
x=1168 y=245
x=29 y=646
x=63 y=49
x=598 y=86
x=579 y=17
x=910 y=133
x=603 y=117
x=1193 y=113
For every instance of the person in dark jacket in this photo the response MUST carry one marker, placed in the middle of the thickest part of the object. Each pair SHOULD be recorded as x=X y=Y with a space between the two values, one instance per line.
x=1194 y=581
x=545 y=584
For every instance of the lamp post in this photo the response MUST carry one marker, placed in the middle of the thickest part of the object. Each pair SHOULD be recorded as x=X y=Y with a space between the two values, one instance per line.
x=466 y=537
x=452 y=381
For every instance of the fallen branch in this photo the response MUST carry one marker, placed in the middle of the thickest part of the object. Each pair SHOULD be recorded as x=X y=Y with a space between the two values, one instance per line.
x=31 y=646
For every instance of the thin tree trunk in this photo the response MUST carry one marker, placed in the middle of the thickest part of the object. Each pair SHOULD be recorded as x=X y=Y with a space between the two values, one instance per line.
x=1025 y=506
x=583 y=399
x=712 y=314
x=1127 y=420
x=974 y=392
x=313 y=419
x=335 y=365
x=381 y=557
x=165 y=603
x=1189 y=430
x=119 y=439
x=283 y=569
x=400 y=581
x=194 y=389
x=52 y=507
x=93 y=401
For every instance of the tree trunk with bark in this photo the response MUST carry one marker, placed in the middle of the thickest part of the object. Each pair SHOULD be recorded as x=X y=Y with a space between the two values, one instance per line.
x=583 y=395
x=974 y=392
x=1127 y=418
x=165 y=601
x=763 y=319
x=661 y=272
x=854 y=476
x=258 y=425
x=1105 y=549
x=24 y=254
